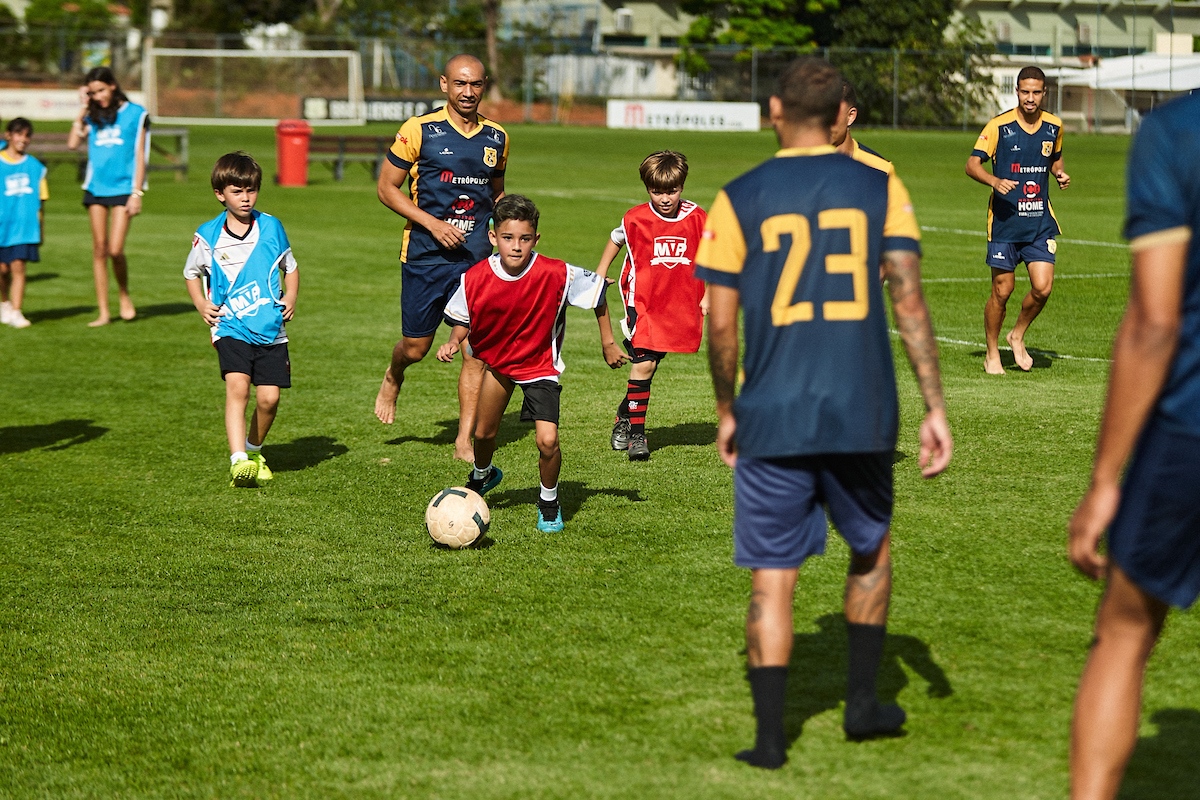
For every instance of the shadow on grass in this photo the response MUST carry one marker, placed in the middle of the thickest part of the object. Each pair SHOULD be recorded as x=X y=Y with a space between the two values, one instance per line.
x=685 y=433
x=51 y=314
x=37 y=277
x=1042 y=359
x=164 y=310
x=511 y=430
x=53 y=436
x=303 y=453
x=817 y=671
x=571 y=495
x=1164 y=765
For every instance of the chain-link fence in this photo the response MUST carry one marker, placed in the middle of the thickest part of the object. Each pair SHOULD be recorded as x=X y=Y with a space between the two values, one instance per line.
x=550 y=77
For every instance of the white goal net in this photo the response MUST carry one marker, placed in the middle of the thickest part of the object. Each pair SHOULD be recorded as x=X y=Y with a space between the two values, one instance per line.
x=249 y=87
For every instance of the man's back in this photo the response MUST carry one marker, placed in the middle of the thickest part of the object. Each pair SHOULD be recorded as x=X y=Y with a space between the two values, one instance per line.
x=814 y=224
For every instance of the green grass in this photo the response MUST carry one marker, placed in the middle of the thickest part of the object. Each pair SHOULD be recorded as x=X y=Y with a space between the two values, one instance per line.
x=165 y=636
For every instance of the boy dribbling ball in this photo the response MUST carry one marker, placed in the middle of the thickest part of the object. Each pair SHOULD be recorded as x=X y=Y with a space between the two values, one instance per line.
x=243 y=279
x=509 y=308
x=664 y=302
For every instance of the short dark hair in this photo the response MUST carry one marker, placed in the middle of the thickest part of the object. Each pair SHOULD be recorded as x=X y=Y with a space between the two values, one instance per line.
x=664 y=171
x=515 y=206
x=810 y=90
x=849 y=96
x=1031 y=73
x=236 y=169
x=20 y=125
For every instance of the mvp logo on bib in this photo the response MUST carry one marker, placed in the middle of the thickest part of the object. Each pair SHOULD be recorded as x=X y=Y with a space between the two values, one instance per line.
x=246 y=301
x=670 y=252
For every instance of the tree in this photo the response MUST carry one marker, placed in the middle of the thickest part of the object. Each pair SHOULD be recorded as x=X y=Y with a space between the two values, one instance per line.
x=761 y=24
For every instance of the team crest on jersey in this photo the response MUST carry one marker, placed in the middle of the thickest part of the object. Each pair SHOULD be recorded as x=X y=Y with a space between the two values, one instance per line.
x=489 y=156
x=17 y=185
x=109 y=137
x=246 y=301
x=670 y=252
x=1047 y=147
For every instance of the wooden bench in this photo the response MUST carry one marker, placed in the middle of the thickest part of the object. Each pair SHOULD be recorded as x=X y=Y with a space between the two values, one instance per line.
x=337 y=150
x=53 y=152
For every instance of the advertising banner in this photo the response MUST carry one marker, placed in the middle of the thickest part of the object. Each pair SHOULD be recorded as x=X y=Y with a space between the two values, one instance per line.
x=41 y=105
x=667 y=115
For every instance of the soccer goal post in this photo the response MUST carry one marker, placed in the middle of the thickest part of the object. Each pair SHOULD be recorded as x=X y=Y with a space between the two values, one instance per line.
x=249 y=87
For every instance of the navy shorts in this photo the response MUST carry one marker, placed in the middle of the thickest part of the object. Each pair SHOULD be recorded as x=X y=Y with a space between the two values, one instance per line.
x=267 y=365
x=1007 y=255
x=18 y=252
x=1155 y=537
x=90 y=199
x=779 y=506
x=425 y=290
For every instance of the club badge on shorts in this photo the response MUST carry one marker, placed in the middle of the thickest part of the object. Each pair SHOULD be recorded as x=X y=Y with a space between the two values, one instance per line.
x=1051 y=246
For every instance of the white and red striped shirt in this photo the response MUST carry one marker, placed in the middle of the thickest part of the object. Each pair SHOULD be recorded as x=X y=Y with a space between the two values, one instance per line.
x=657 y=279
x=517 y=322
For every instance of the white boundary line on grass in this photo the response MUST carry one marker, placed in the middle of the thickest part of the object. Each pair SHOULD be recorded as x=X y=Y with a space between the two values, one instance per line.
x=983 y=279
x=1033 y=351
x=960 y=231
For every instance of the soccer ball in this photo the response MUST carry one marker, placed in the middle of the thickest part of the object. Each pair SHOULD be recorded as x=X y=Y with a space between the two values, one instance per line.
x=457 y=517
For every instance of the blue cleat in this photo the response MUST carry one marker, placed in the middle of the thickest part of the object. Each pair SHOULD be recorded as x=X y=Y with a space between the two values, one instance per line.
x=549 y=517
x=487 y=483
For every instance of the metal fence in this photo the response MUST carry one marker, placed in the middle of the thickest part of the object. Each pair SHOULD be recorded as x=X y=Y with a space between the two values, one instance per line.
x=900 y=88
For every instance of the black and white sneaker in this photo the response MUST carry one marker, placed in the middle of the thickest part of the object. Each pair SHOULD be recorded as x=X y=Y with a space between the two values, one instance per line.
x=486 y=483
x=620 y=434
x=638 y=449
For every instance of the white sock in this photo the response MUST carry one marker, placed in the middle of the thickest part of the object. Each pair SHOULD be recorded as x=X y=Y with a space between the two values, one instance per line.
x=549 y=495
x=236 y=457
x=481 y=473
x=253 y=448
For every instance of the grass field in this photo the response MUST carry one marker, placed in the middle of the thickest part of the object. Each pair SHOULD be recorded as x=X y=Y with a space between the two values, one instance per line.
x=166 y=636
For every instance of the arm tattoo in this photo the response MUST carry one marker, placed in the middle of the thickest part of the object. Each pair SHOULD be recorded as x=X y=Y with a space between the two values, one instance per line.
x=722 y=362
x=903 y=270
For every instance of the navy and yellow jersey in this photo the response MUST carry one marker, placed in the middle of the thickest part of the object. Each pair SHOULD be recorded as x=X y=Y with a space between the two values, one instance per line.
x=450 y=177
x=800 y=238
x=872 y=159
x=1163 y=188
x=1024 y=214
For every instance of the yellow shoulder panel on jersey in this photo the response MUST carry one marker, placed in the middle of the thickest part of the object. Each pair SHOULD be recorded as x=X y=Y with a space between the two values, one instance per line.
x=901 y=219
x=723 y=246
x=872 y=160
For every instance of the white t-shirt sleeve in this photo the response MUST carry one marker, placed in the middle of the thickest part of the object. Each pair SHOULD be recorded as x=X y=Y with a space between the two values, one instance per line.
x=287 y=262
x=456 y=309
x=618 y=235
x=585 y=289
x=198 y=260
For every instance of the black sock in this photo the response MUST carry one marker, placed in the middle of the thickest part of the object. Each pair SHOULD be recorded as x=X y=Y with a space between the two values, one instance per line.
x=864 y=716
x=768 y=685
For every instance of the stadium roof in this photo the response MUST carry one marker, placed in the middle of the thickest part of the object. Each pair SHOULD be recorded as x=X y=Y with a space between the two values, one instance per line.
x=1147 y=72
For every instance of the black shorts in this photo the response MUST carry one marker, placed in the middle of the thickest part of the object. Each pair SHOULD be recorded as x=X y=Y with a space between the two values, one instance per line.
x=638 y=355
x=267 y=365
x=1155 y=537
x=541 y=401
x=90 y=199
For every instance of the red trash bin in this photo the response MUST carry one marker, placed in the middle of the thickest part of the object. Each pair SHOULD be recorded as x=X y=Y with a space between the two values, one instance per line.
x=291 y=150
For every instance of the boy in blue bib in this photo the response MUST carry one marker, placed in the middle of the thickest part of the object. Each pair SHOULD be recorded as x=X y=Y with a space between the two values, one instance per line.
x=243 y=280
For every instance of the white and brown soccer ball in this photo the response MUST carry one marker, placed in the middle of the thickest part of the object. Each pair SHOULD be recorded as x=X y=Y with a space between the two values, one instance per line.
x=457 y=517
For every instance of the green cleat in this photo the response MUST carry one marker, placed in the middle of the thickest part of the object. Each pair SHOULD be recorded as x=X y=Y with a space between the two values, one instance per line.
x=244 y=474
x=264 y=472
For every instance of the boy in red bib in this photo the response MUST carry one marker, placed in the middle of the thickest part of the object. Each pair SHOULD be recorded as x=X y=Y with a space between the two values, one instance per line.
x=664 y=302
x=511 y=309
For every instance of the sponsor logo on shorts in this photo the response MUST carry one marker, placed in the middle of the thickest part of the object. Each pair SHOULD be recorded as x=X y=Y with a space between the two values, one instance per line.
x=998 y=256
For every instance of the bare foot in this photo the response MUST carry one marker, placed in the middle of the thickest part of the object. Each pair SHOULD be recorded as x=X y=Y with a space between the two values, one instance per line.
x=464 y=451
x=128 y=312
x=1020 y=354
x=385 y=401
x=99 y=322
x=992 y=366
